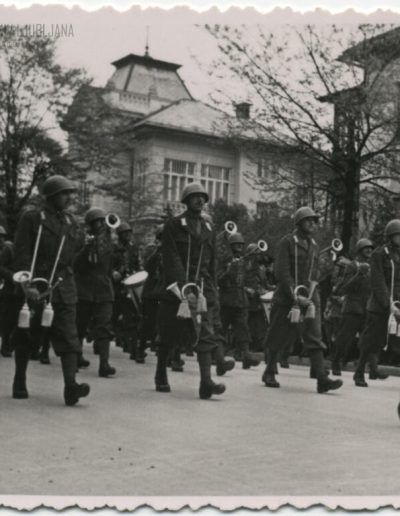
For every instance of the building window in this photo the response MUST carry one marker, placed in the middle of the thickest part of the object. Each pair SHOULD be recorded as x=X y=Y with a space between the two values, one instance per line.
x=266 y=169
x=177 y=174
x=216 y=181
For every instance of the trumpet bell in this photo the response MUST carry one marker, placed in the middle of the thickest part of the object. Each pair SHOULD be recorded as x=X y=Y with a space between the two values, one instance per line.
x=112 y=220
x=262 y=246
x=230 y=227
x=337 y=245
x=175 y=290
x=303 y=289
x=22 y=277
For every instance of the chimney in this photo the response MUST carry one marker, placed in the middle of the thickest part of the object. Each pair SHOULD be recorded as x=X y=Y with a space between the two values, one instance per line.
x=243 y=110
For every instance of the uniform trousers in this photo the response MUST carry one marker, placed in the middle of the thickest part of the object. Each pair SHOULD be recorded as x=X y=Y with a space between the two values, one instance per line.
x=63 y=335
x=258 y=328
x=373 y=339
x=99 y=315
x=282 y=335
x=237 y=318
x=206 y=340
x=351 y=325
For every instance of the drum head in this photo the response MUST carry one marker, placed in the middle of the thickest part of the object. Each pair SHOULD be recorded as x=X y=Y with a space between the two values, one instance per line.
x=267 y=297
x=136 y=279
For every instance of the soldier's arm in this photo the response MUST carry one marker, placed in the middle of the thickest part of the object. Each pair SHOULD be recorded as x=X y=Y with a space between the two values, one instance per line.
x=6 y=263
x=174 y=269
x=378 y=282
x=351 y=280
x=282 y=268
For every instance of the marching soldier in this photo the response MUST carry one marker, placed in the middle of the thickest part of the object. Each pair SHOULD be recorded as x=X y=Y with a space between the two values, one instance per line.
x=385 y=289
x=126 y=262
x=47 y=237
x=189 y=256
x=6 y=292
x=297 y=264
x=355 y=286
x=234 y=300
x=150 y=296
x=256 y=283
x=93 y=270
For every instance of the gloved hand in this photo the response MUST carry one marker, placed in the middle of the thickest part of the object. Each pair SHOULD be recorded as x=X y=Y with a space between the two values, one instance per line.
x=364 y=268
x=116 y=275
x=192 y=300
x=250 y=291
x=303 y=302
x=32 y=294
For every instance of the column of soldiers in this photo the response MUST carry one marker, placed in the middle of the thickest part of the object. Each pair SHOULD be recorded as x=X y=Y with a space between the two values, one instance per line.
x=189 y=294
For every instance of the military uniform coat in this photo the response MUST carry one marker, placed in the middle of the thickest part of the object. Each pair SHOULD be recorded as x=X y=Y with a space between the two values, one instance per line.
x=308 y=267
x=381 y=273
x=231 y=283
x=356 y=288
x=94 y=280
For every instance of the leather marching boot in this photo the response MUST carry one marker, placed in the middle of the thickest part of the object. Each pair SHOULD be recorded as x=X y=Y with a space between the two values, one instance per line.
x=269 y=379
x=249 y=360
x=176 y=362
x=72 y=390
x=140 y=356
x=324 y=383
x=207 y=386
x=82 y=363
x=336 y=368
x=223 y=365
x=374 y=373
x=358 y=377
x=105 y=370
x=161 y=378
x=19 y=390
x=132 y=347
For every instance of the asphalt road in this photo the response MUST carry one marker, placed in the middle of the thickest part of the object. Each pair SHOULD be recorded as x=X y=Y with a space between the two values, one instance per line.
x=126 y=439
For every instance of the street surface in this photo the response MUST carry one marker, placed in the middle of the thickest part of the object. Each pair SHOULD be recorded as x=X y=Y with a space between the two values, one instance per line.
x=126 y=439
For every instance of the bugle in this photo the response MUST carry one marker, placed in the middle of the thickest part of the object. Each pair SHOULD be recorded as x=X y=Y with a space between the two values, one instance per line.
x=335 y=247
x=112 y=220
x=229 y=227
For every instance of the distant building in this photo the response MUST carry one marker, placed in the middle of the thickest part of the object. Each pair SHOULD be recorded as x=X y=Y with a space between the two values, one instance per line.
x=175 y=140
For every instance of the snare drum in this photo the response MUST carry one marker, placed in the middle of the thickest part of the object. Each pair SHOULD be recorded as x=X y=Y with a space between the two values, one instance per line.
x=266 y=300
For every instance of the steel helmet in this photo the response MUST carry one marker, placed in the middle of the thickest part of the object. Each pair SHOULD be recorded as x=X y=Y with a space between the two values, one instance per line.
x=94 y=214
x=193 y=188
x=3 y=231
x=57 y=184
x=124 y=226
x=236 y=239
x=362 y=244
x=304 y=213
x=392 y=228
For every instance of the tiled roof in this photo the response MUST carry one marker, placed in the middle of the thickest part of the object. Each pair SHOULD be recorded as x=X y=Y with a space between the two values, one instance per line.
x=196 y=117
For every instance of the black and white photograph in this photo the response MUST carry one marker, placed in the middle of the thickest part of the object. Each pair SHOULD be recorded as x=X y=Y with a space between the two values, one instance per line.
x=199 y=258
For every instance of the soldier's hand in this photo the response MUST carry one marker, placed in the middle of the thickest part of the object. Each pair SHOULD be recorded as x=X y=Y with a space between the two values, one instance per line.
x=32 y=294
x=303 y=302
x=192 y=300
x=250 y=291
x=116 y=275
x=364 y=268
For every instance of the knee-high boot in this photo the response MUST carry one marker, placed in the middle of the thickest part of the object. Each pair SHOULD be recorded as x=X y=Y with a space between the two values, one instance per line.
x=207 y=386
x=161 y=378
x=105 y=369
x=358 y=377
x=268 y=377
x=324 y=383
x=223 y=364
x=21 y=356
x=72 y=390
x=374 y=373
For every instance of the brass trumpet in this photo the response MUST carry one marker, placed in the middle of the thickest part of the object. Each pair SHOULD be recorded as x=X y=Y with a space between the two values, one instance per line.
x=335 y=247
x=229 y=227
x=112 y=220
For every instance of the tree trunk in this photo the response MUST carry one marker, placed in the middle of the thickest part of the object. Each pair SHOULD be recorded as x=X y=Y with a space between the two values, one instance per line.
x=350 y=206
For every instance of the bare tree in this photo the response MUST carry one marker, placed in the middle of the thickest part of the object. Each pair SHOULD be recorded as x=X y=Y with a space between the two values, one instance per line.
x=338 y=114
x=34 y=93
